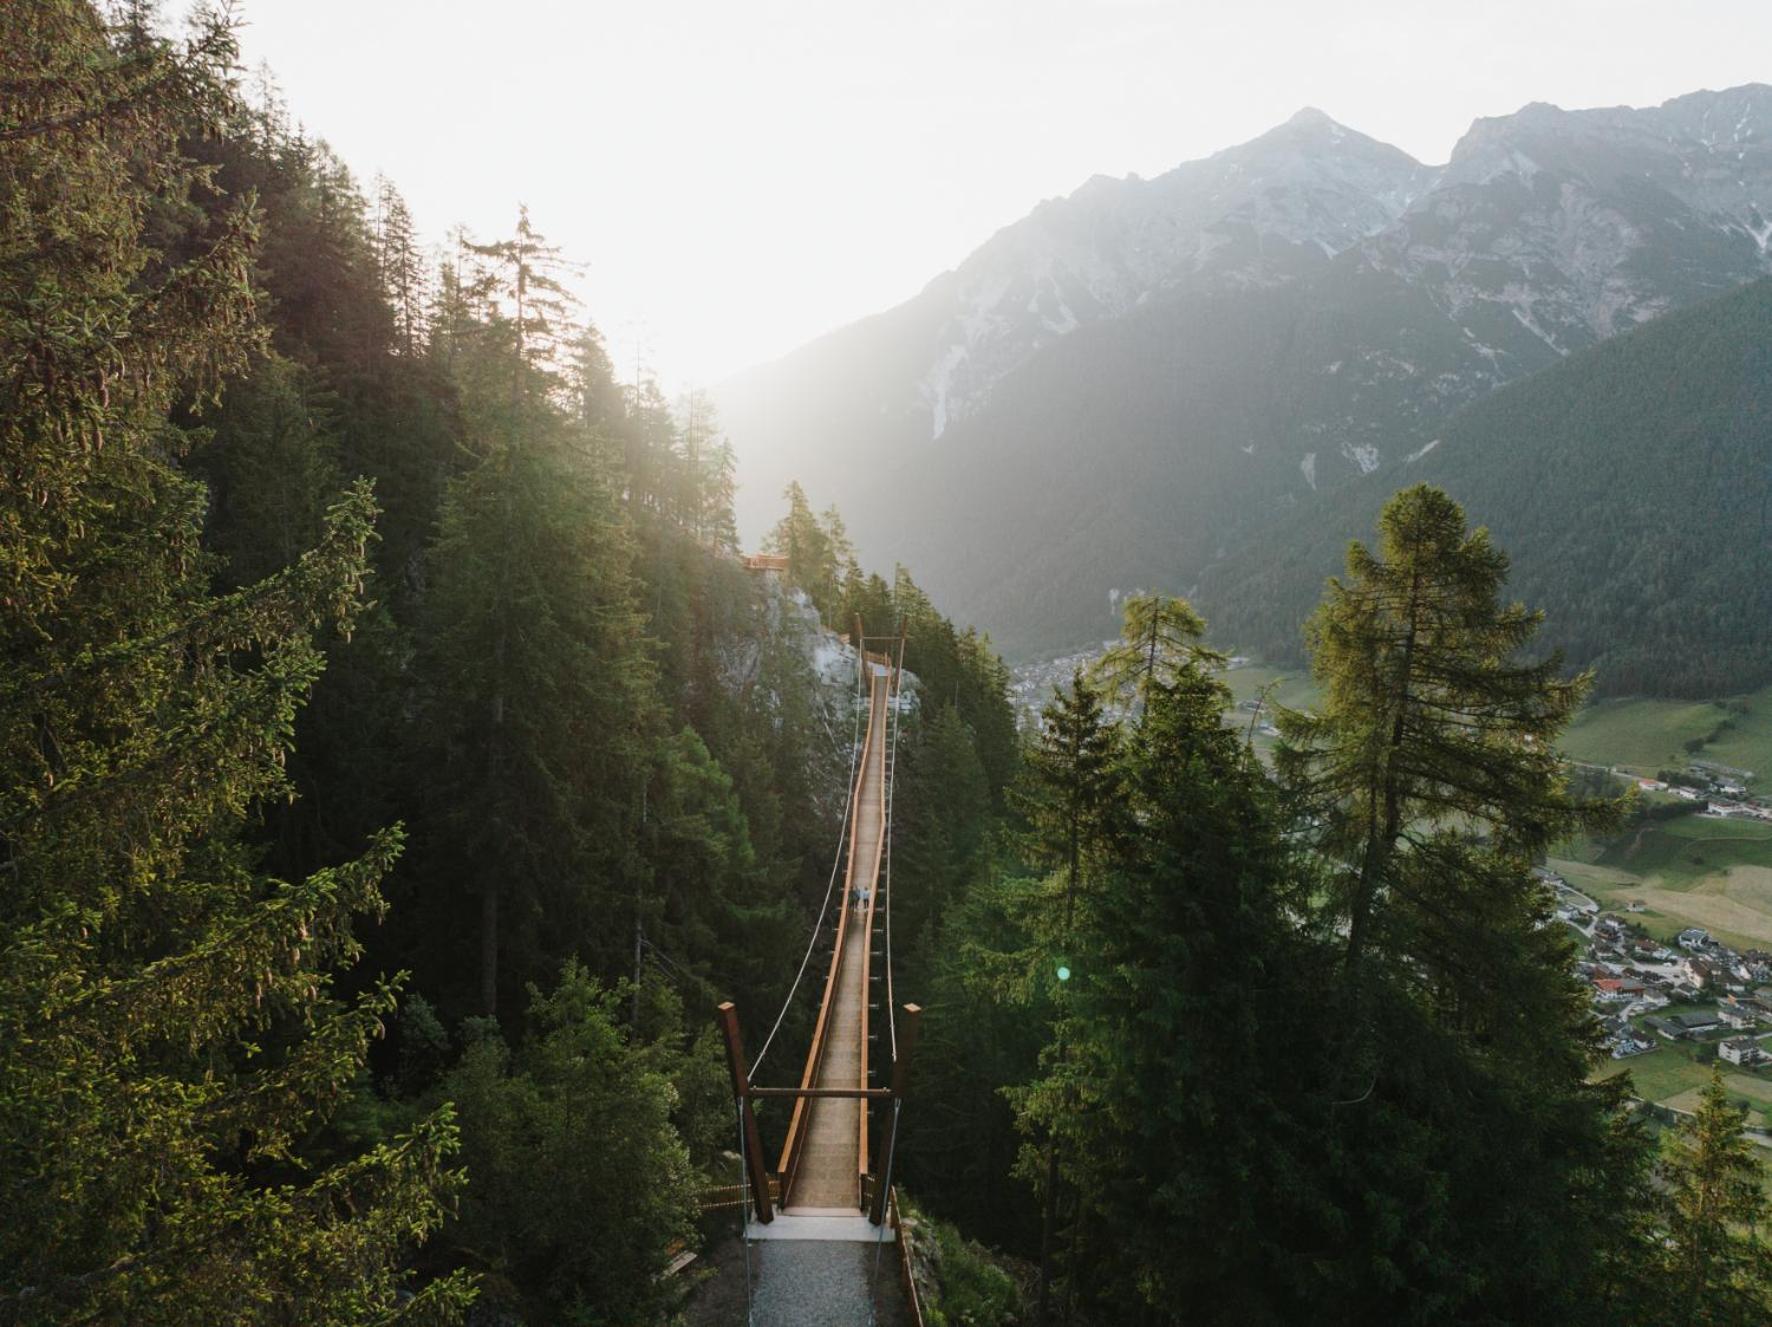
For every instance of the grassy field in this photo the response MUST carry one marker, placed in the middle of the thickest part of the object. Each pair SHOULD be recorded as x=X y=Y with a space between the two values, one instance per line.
x=1691 y=871
x=1292 y=687
x=1672 y=1075
x=1647 y=735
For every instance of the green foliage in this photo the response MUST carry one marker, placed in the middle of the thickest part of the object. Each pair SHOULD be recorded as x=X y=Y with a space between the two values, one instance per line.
x=1427 y=719
x=820 y=558
x=1159 y=1039
x=579 y=1186
x=1582 y=471
x=973 y=1290
x=169 y=1039
x=1072 y=784
x=1715 y=1258
x=537 y=700
x=1160 y=637
x=981 y=1034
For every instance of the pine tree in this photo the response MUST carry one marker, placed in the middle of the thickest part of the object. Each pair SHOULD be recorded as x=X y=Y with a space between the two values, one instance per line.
x=521 y=282
x=708 y=467
x=1070 y=788
x=581 y=1187
x=1150 y=1126
x=399 y=265
x=271 y=465
x=167 y=1035
x=538 y=693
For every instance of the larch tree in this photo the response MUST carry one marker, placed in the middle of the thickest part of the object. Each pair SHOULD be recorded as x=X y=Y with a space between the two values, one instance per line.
x=168 y=1038
x=1714 y=1252
x=1430 y=719
x=1160 y=638
x=1425 y=786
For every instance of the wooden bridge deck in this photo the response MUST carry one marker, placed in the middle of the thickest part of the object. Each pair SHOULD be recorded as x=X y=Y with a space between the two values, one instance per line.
x=834 y=1152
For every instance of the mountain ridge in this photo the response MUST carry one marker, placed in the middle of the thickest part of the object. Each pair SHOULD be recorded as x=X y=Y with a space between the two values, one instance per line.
x=1360 y=296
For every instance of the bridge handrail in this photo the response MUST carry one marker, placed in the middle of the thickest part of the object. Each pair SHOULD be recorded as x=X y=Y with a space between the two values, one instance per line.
x=794 y=1146
x=884 y=685
x=818 y=926
x=882 y=849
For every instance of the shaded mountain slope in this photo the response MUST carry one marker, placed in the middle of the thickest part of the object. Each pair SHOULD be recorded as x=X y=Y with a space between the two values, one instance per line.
x=1632 y=485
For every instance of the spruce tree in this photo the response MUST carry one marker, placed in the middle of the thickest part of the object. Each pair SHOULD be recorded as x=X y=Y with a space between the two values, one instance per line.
x=537 y=683
x=812 y=559
x=1071 y=789
x=1151 y=1124
x=168 y=1039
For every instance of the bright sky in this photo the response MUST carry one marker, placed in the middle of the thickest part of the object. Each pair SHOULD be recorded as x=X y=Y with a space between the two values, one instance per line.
x=739 y=176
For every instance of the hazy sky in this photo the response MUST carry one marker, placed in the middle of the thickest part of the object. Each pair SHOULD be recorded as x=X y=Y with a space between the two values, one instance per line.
x=738 y=176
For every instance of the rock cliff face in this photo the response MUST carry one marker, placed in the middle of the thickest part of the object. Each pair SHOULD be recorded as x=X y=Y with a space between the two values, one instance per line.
x=1130 y=381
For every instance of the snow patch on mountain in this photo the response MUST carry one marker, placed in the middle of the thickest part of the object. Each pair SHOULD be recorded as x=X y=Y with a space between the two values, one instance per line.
x=936 y=386
x=1253 y=216
x=1309 y=466
x=1364 y=455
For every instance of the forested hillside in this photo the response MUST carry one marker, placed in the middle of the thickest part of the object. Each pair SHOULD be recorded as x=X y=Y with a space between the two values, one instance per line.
x=1629 y=484
x=374 y=664
x=1141 y=379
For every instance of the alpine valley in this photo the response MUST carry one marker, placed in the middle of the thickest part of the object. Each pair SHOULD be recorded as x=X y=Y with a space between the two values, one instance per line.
x=1203 y=381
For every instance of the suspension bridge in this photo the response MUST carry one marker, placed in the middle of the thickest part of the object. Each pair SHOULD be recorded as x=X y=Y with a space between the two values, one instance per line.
x=821 y=1227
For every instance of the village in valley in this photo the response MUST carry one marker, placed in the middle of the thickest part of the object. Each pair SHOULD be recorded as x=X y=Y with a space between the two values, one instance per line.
x=1699 y=989
x=1677 y=1004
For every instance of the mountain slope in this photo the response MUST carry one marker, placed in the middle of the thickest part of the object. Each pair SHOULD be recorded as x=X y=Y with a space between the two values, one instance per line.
x=1632 y=485
x=1250 y=217
x=1132 y=383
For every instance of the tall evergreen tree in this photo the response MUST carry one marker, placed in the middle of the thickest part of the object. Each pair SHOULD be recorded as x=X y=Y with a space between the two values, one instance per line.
x=1714 y=1251
x=1071 y=785
x=167 y=1037
x=1152 y=1123
x=812 y=560
x=1159 y=640
x=581 y=1188
x=1429 y=717
x=538 y=696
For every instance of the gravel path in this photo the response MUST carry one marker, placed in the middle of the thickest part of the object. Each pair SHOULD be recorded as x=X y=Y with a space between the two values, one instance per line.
x=799 y=1283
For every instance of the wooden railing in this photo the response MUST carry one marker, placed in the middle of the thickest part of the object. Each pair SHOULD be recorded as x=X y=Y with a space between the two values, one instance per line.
x=794 y=1148
x=882 y=685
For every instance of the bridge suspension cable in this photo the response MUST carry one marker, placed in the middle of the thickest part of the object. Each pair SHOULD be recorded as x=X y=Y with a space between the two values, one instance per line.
x=836 y=867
